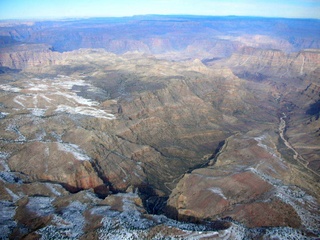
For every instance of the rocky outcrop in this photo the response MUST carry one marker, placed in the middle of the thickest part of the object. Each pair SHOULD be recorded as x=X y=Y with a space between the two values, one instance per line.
x=59 y=163
x=84 y=216
x=252 y=62
x=244 y=181
x=27 y=55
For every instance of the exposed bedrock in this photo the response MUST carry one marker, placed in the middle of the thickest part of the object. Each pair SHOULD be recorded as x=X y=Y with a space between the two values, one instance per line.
x=264 y=64
x=250 y=182
x=210 y=120
x=58 y=163
x=112 y=123
x=21 y=56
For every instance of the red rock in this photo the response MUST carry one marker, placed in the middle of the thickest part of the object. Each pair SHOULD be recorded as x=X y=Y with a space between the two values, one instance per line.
x=60 y=166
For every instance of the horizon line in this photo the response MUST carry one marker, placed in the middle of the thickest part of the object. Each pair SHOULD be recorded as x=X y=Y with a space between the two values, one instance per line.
x=152 y=15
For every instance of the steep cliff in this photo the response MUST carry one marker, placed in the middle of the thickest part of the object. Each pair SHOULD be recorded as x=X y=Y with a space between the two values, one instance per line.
x=20 y=56
x=260 y=64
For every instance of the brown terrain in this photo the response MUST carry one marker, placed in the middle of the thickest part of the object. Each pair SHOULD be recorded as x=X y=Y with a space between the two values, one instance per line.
x=178 y=128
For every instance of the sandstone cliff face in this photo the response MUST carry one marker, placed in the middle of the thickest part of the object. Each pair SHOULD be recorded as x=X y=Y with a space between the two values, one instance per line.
x=274 y=62
x=28 y=55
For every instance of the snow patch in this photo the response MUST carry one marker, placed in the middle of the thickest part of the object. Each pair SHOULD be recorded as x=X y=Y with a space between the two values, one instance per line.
x=61 y=88
x=5 y=165
x=9 y=88
x=38 y=87
x=75 y=150
x=3 y=157
x=57 y=136
x=3 y=114
x=40 y=136
x=304 y=204
x=9 y=177
x=267 y=148
x=15 y=129
x=271 y=151
x=283 y=233
x=89 y=111
x=53 y=188
x=19 y=98
x=48 y=100
x=68 y=225
x=77 y=99
x=296 y=198
x=217 y=191
x=7 y=224
x=68 y=84
x=38 y=112
x=40 y=205
x=131 y=224
x=14 y=196
x=236 y=232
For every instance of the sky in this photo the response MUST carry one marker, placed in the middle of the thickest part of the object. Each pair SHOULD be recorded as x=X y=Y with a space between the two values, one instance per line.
x=47 y=9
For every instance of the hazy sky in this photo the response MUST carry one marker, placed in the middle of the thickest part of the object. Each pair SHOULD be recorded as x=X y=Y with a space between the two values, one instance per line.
x=24 y=9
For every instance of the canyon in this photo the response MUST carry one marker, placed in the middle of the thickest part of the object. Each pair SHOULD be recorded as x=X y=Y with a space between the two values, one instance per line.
x=175 y=127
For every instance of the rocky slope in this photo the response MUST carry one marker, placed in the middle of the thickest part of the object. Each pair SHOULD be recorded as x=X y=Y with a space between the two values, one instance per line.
x=270 y=63
x=94 y=144
x=19 y=56
x=296 y=76
x=176 y=108
x=251 y=182
x=109 y=123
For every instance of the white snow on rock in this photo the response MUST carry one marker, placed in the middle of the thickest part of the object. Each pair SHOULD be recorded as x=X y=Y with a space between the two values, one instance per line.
x=19 y=99
x=53 y=187
x=84 y=110
x=68 y=224
x=74 y=149
x=296 y=198
x=67 y=82
x=14 y=196
x=236 y=232
x=38 y=87
x=40 y=205
x=9 y=88
x=38 y=112
x=9 y=177
x=3 y=157
x=303 y=203
x=217 y=191
x=285 y=233
x=7 y=223
x=75 y=99
x=41 y=94
x=14 y=128
x=261 y=144
x=3 y=114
